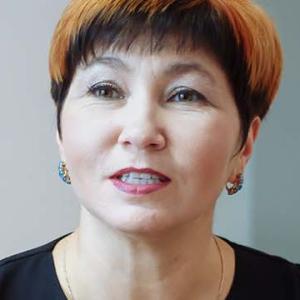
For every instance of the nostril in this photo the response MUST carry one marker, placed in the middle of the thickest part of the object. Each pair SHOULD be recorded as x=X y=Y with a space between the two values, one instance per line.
x=156 y=146
x=143 y=139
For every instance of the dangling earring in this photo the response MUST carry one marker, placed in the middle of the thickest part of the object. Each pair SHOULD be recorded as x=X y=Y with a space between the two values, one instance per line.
x=63 y=172
x=233 y=188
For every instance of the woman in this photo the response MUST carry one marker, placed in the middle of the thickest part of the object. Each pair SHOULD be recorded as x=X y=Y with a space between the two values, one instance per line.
x=159 y=104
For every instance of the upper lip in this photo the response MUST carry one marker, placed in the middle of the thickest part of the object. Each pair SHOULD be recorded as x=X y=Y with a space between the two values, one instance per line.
x=135 y=170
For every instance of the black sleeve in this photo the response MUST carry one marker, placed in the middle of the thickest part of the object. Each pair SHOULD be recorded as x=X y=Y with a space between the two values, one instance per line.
x=29 y=277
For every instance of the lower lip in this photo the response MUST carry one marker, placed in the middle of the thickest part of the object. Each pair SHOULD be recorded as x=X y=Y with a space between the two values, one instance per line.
x=138 y=189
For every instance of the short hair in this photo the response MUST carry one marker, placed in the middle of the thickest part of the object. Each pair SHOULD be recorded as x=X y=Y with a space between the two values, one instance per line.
x=240 y=35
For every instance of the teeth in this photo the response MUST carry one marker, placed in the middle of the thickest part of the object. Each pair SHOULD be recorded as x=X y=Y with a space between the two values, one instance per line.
x=141 y=181
x=133 y=175
x=140 y=178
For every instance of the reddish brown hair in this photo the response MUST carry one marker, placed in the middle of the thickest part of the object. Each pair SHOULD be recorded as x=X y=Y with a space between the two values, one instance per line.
x=238 y=32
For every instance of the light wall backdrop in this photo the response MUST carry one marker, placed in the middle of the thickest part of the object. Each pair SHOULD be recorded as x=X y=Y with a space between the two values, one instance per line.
x=36 y=207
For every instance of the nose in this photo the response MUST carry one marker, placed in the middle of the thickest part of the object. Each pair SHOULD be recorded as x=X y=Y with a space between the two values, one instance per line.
x=141 y=131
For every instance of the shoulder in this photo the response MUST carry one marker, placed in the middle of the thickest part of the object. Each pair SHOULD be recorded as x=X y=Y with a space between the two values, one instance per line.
x=30 y=273
x=260 y=275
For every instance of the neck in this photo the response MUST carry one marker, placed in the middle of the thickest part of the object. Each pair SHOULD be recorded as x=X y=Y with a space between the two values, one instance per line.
x=120 y=265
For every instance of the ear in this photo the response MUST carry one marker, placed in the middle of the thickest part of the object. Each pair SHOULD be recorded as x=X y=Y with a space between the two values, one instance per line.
x=247 y=150
x=60 y=147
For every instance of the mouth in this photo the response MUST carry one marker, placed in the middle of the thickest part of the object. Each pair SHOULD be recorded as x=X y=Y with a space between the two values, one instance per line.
x=142 y=174
x=139 y=181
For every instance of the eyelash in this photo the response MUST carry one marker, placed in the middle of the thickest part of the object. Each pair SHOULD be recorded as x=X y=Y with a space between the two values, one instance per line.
x=92 y=90
x=112 y=88
x=199 y=97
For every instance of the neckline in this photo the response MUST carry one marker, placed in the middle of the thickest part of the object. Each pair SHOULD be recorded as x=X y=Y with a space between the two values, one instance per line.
x=236 y=274
x=52 y=267
x=228 y=297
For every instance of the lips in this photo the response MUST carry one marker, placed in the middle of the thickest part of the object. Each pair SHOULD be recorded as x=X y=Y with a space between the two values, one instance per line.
x=150 y=171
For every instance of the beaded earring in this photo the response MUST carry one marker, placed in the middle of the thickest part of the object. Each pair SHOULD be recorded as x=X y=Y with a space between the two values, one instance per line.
x=63 y=172
x=233 y=188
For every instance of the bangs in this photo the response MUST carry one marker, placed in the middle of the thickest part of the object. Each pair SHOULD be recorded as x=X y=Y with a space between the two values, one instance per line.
x=240 y=34
x=196 y=28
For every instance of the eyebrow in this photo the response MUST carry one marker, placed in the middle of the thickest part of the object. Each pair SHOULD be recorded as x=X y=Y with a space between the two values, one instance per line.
x=171 y=70
x=183 y=68
x=113 y=62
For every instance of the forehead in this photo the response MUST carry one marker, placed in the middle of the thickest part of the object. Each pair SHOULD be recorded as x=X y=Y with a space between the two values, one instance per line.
x=168 y=61
x=146 y=45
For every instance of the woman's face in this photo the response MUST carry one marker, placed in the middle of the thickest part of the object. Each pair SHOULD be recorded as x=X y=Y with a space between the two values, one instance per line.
x=173 y=113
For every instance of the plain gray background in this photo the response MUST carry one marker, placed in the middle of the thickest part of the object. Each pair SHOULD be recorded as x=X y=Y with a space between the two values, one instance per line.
x=36 y=206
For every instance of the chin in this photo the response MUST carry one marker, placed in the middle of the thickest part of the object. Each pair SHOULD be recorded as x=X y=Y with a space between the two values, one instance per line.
x=140 y=220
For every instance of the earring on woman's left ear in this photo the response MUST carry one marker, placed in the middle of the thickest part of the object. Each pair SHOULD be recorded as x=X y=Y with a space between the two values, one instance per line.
x=63 y=172
x=233 y=188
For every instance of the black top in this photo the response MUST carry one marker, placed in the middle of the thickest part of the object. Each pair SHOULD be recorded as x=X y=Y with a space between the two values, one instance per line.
x=31 y=275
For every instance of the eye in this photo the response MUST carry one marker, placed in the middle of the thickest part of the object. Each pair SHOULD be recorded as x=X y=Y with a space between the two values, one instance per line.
x=187 y=95
x=105 y=90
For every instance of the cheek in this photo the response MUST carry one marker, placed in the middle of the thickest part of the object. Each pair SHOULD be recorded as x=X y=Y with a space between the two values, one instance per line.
x=86 y=143
x=206 y=152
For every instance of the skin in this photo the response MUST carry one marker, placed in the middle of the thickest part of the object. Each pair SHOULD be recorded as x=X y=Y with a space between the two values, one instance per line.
x=141 y=247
